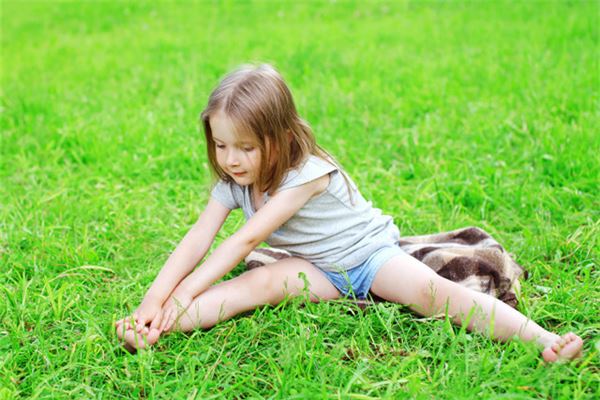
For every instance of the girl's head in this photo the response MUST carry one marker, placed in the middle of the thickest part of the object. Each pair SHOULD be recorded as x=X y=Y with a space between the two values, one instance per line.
x=253 y=110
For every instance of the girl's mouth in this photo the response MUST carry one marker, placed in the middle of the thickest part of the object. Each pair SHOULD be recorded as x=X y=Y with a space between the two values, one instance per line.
x=238 y=174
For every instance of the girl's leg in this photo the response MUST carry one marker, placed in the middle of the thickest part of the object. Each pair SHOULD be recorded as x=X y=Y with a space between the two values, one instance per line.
x=269 y=284
x=405 y=280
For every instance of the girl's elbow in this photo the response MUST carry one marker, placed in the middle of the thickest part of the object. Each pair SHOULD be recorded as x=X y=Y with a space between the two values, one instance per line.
x=247 y=242
x=253 y=243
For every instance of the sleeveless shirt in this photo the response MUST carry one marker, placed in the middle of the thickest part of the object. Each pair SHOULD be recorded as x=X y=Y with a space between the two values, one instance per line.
x=328 y=231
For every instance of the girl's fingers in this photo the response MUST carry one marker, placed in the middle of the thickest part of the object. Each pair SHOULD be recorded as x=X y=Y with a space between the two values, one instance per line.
x=173 y=318
x=168 y=321
x=164 y=320
x=141 y=323
x=159 y=324
x=126 y=324
x=157 y=320
x=165 y=323
x=123 y=320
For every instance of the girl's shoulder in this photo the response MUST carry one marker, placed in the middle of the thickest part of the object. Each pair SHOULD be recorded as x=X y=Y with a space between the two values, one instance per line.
x=313 y=167
x=230 y=194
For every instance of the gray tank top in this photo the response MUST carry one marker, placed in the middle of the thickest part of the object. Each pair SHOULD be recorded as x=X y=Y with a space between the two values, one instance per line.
x=329 y=231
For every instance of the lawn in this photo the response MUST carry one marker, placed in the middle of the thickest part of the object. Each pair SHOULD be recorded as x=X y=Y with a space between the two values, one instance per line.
x=446 y=114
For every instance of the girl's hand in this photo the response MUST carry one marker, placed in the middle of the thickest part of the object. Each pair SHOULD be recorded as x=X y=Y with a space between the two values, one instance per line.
x=173 y=309
x=145 y=313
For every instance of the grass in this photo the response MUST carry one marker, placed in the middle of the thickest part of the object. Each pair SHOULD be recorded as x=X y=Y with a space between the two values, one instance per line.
x=446 y=114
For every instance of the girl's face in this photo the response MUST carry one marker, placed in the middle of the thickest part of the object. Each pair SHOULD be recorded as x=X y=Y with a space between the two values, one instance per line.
x=237 y=155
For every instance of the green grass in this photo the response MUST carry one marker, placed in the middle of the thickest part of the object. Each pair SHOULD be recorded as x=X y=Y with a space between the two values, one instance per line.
x=446 y=114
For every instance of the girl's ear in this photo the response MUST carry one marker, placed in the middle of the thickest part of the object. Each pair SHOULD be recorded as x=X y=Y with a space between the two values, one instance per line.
x=290 y=135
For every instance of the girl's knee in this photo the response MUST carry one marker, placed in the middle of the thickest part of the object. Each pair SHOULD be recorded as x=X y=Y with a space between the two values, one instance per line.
x=260 y=280
x=434 y=292
x=446 y=291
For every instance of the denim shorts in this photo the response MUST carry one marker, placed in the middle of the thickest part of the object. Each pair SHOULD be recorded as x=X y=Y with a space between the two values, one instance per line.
x=356 y=282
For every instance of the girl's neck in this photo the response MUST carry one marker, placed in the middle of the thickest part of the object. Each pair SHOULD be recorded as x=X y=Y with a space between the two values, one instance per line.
x=257 y=197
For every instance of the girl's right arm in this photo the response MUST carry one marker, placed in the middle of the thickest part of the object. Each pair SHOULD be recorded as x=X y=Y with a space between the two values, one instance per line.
x=190 y=251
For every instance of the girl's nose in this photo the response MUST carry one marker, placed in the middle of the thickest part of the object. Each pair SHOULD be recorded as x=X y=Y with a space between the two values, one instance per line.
x=232 y=158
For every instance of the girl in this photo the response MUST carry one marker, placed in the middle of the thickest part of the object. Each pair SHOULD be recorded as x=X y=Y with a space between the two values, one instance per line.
x=296 y=197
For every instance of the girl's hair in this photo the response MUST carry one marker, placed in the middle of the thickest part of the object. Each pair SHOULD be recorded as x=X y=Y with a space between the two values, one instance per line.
x=259 y=103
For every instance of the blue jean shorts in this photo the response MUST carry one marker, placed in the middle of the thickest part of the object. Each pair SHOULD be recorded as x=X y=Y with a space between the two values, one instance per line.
x=356 y=282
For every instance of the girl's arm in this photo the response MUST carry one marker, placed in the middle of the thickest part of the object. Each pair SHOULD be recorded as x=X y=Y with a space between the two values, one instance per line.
x=192 y=248
x=281 y=207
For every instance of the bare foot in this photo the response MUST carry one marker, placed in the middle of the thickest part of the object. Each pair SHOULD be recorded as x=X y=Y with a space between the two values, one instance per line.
x=566 y=348
x=134 y=340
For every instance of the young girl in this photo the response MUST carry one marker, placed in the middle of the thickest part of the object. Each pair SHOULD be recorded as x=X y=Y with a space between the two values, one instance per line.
x=296 y=197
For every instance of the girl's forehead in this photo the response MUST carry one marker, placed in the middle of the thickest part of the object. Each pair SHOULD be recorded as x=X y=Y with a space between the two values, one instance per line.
x=225 y=129
x=243 y=135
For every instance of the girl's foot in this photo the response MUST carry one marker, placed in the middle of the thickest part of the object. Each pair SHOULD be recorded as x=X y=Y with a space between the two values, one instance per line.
x=134 y=340
x=566 y=348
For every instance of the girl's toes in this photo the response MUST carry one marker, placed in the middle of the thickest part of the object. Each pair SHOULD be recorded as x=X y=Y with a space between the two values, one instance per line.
x=567 y=348
x=128 y=341
x=569 y=337
x=572 y=349
x=135 y=340
x=153 y=336
x=121 y=331
x=556 y=347
x=124 y=324
x=549 y=355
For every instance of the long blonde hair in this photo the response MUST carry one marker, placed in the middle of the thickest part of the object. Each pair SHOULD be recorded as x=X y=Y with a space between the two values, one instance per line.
x=259 y=103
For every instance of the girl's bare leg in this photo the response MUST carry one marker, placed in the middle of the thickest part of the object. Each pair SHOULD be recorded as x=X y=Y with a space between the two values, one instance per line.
x=405 y=280
x=269 y=284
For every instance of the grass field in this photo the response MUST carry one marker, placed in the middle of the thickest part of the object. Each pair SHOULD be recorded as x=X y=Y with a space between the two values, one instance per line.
x=446 y=114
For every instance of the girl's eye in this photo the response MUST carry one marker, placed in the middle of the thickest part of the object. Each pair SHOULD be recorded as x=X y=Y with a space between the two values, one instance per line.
x=220 y=146
x=248 y=149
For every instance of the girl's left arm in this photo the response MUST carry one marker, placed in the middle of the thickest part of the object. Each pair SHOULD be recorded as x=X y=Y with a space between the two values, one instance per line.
x=281 y=207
